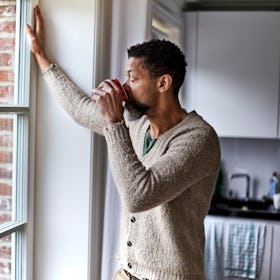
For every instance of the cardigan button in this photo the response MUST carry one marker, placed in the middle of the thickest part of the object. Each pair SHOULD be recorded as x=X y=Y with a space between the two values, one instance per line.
x=129 y=243
x=129 y=265
x=133 y=219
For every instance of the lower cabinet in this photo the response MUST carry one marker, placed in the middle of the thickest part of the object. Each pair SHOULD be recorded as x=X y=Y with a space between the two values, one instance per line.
x=275 y=256
x=270 y=269
x=266 y=265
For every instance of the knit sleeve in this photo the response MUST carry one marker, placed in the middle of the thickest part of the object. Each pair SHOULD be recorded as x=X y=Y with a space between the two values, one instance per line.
x=73 y=100
x=189 y=159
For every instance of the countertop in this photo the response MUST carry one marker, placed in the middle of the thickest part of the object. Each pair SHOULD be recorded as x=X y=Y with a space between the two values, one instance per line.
x=256 y=209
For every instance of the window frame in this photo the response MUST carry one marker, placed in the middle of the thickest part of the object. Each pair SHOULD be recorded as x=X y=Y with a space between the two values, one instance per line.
x=166 y=21
x=24 y=136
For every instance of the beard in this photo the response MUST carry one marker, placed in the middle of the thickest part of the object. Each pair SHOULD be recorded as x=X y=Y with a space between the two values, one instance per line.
x=135 y=110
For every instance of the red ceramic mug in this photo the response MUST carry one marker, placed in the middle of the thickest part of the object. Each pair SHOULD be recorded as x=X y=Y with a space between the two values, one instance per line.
x=123 y=93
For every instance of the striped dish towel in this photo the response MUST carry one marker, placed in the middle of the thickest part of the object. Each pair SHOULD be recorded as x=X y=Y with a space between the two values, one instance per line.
x=244 y=250
x=214 y=262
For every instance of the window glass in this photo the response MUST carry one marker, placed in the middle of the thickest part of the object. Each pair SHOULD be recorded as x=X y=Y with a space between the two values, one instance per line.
x=7 y=51
x=165 y=30
x=6 y=252
x=6 y=167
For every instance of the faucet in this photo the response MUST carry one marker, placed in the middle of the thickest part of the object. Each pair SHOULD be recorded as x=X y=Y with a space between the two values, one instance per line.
x=243 y=175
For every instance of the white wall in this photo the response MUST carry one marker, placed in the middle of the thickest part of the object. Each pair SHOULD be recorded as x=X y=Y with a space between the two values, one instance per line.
x=63 y=149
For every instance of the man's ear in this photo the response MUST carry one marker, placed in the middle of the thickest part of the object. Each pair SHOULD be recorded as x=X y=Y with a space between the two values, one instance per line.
x=164 y=83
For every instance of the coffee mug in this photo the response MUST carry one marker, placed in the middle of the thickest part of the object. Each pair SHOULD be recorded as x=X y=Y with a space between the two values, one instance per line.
x=276 y=201
x=123 y=93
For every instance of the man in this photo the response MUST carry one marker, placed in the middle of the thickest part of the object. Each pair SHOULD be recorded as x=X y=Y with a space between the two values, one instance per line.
x=164 y=161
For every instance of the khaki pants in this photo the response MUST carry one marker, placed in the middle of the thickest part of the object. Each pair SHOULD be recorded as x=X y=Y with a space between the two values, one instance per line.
x=121 y=275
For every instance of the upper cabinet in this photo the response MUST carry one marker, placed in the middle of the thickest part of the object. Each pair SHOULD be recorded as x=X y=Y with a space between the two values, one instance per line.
x=168 y=21
x=233 y=73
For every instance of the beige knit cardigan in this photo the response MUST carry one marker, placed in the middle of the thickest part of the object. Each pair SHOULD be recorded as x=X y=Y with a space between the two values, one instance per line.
x=165 y=194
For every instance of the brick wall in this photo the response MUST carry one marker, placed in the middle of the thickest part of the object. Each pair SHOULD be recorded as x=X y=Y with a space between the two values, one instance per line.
x=7 y=59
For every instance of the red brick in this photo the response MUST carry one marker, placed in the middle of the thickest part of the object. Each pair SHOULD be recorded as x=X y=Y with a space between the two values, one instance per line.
x=6 y=75
x=5 y=252
x=5 y=239
x=5 y=190
x=7 y=59
x=7 y=11
x=8 y=26
x=7 y=44
x=5 y=218
x=6 y=91
x=6 y=124
x=5 y=205
x=6 y=140
x=6 y=157
x=6 y=101
x=5 y=268
x=5 y=173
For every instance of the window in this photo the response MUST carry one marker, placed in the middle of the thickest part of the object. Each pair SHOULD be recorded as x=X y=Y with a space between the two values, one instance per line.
x=167 y=21
x=14 y=138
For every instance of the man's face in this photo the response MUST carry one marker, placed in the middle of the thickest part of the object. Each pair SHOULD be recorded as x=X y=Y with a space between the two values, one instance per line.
x=140 y=88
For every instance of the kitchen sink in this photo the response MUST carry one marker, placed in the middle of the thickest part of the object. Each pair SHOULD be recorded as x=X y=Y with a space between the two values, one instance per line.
x=244 y=204
x=252 y=208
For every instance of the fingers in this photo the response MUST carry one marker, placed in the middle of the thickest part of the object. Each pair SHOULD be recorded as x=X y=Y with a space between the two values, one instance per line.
x=38 y=20
x=38 y=23
x=109 y=104
x=31 y=35
x=39 y=26
x=29 y=30
x=96 y=94
x=108 y=86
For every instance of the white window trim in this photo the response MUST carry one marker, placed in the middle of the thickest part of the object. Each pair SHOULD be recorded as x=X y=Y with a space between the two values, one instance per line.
x=23 y=227
x=101 y=50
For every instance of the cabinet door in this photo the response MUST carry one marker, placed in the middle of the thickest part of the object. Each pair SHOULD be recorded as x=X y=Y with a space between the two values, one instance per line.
x=279 y=118
x=235 y=76
x=275 y=267
x=266 y=264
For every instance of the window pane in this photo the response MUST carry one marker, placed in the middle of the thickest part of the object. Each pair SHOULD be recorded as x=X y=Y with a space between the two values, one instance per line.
x=7 y=51
x=6 y=251
x=7 y=122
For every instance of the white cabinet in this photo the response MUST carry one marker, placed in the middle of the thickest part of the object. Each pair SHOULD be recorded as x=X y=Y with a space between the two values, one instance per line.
x=270 y=268
x=233 y=77
x=275 y=267
x=266 y=264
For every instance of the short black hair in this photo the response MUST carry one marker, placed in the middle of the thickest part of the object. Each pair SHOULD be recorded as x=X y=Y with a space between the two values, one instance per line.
x=162 y=57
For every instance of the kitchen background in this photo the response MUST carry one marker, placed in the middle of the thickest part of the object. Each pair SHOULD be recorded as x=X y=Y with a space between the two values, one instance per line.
x=233 y=49
x=233 y=82
x=257 y=157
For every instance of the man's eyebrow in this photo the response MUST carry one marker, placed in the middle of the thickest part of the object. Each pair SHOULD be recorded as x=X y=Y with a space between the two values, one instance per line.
x=128 y=71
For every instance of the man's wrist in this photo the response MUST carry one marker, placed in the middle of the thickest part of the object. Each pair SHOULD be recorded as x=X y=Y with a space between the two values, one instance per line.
x=42 y=60
x=116 y=121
